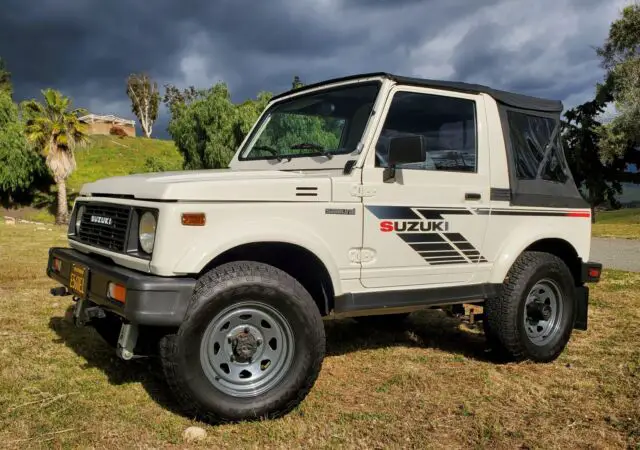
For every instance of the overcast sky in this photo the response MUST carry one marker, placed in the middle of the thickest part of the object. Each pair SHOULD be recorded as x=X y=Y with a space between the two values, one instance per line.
x=86 y=48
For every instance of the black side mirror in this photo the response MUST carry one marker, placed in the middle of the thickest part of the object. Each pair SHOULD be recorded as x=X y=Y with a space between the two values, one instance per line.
x=404 y=150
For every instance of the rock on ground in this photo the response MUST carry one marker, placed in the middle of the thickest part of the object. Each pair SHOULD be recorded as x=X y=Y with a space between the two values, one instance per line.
x=194 y=434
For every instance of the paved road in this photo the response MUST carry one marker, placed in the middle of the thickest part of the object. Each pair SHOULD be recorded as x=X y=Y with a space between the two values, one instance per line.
x=622 y=254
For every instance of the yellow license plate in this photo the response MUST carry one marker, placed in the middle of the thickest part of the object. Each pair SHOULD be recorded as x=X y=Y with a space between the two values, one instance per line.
x=78 y=280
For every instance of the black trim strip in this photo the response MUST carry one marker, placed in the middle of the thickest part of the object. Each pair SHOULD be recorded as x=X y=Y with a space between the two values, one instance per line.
x=512 y=212
x=363 y=301
x=500 y=194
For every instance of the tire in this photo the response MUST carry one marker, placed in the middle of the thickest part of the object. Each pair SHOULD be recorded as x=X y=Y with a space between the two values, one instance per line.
x=386 y=321
x=261 y=307
x=543 y=332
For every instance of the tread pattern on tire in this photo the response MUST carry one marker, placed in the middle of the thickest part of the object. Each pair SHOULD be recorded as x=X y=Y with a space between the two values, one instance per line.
x=231 y=278
x=501 y=313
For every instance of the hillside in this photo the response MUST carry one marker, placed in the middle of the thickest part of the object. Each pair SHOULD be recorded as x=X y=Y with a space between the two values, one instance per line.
x=104 y=156
x=108 y=156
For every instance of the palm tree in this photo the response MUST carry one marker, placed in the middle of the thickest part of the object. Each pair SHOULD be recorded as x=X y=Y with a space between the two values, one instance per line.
x=54 y=129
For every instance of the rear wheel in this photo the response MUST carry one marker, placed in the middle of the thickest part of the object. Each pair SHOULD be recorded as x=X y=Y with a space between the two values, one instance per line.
x=251 y=346
x=534 y=315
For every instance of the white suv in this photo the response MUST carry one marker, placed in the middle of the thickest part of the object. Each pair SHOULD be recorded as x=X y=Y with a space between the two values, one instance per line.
x=362 y=196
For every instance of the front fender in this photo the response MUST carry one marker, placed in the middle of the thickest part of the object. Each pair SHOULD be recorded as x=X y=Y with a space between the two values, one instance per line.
x=249 y=232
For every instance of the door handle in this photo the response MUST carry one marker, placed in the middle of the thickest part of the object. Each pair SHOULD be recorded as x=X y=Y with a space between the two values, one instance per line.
x=472 y=196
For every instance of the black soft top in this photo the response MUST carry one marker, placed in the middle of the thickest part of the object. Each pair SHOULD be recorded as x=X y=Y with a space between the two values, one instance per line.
x=508 y=98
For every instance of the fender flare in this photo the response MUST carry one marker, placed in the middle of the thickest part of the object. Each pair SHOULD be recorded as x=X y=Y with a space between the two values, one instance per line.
x=280 y=231
x=513 y=248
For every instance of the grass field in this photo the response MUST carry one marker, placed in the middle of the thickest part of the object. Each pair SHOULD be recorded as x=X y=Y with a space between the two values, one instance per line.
x=623 y=223
x=431 y=386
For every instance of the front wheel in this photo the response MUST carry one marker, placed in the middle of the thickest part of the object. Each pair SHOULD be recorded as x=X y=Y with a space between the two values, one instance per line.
x=251 y=346
x=534 y=315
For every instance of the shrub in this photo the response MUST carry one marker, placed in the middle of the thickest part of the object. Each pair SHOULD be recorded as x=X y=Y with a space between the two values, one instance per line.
x=117 y=131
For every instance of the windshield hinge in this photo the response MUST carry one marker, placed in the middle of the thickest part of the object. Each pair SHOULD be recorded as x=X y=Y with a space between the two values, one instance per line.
x=360 y=190
x=361 y=255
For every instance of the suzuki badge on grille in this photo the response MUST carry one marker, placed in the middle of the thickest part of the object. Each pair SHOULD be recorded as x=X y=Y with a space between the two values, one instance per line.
x=101 y=220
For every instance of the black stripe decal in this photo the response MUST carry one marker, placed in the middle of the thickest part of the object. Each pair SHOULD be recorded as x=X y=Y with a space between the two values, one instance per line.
x=420 y=237
x=436 y=214
x=433 y=246
x=393 y=212
x=436 y=248
x=446 y=258
x=453 y=253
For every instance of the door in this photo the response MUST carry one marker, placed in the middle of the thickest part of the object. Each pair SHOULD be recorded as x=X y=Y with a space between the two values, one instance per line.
x=427 y=227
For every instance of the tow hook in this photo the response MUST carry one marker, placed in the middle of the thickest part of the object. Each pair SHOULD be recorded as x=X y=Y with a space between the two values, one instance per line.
x=127 y=342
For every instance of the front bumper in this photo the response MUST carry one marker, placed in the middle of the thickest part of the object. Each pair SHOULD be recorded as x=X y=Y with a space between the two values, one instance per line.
x=150 y=300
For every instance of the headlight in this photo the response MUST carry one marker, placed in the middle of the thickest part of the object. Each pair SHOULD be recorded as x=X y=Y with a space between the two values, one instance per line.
x=79 y=214
x=147 y=231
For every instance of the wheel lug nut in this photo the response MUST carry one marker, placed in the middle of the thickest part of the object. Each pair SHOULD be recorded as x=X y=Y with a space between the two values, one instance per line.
x=259 y=342
x=246 y=330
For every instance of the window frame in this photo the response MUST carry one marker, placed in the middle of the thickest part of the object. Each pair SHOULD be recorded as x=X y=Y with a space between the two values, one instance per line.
x=537 y=192
x=263 y=120
x=555 y=149
x=477 y=124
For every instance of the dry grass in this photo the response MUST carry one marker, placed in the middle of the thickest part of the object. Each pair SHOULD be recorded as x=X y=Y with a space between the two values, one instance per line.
x=429 y=386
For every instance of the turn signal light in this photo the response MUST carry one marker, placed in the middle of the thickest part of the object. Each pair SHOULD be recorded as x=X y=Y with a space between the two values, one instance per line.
x=117 y=292
x=56 y=264
x=594 y=273
x=193 y=219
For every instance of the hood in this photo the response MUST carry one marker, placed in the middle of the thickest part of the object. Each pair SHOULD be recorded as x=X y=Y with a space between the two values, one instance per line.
x=216 y=185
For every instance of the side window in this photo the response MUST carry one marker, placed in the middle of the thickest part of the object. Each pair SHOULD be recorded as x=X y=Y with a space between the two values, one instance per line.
x=448 y=125
x=537 y=148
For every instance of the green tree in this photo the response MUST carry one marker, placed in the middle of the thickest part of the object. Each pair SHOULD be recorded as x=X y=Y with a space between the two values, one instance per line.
x=19 y=165
x=599 y=177
x=620 y=57
x=176 y=100
x=54 y=129
x=296 y=83
x=209 y=129
x=5 y=78
x=145 y=100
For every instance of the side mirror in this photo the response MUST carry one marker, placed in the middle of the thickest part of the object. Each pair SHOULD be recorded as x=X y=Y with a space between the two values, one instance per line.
x=404 y=150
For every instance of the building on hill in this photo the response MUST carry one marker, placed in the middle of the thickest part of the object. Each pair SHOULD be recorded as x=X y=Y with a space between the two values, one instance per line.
x=109 y=124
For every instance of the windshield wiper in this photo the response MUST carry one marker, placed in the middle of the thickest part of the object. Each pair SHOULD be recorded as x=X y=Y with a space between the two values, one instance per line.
x=309 y=145
x=273 y=151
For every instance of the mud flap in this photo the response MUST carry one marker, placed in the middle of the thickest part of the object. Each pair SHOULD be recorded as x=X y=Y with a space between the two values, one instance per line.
x=582 y=307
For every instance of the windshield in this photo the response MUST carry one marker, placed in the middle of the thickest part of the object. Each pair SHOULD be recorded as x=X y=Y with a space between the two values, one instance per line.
x=323 y=123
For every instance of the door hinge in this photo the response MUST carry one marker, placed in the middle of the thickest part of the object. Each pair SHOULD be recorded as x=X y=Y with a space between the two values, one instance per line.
x=360 y=190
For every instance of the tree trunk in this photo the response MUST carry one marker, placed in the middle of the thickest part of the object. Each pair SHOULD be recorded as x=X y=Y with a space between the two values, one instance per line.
x=63 y=212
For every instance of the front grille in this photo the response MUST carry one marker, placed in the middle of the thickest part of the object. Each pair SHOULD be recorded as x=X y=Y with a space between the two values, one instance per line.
x=105 y=226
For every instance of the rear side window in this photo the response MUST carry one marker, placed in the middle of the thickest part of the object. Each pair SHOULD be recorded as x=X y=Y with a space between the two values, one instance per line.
x=537 y=149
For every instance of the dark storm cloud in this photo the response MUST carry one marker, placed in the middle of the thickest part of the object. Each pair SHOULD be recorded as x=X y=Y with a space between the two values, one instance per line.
x=86 y=48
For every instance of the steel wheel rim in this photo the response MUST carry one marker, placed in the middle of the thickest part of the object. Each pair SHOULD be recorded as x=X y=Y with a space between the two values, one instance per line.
x=247 y=349
x=543 y=311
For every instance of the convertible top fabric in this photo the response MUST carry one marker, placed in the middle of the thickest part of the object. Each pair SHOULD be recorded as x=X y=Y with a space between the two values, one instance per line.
x=508 y=98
